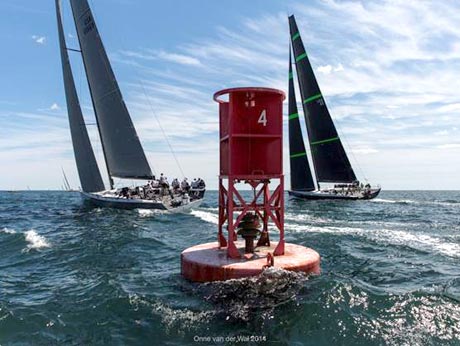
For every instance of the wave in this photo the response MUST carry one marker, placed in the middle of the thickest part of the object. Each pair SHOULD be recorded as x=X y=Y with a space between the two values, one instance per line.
x=305 y=217
x=448 y=203
x=389 y=236
x=206 y=216
x=174 y=319
x=35 y=240
x=400 y=201
x=149 y=212
x=242 y=299
x=7 y=231
x=210 y=208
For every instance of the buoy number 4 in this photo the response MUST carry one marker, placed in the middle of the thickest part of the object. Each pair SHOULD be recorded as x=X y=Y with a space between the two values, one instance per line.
x=263 y=118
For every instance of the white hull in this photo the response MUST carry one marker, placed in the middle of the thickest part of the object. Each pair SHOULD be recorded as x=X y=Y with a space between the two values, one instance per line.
x=105 y=199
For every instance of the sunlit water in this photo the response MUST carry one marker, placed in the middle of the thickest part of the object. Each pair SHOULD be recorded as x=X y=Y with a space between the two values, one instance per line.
x=70 y=274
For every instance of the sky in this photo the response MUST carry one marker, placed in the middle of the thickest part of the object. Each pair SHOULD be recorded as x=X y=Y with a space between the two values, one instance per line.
x=389 y=72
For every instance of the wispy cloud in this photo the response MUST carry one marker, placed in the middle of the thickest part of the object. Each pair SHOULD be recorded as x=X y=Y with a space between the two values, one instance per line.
x=55 y=107
x=179 y=58
x=388 y=86
x=39 y=39
x=392 y=89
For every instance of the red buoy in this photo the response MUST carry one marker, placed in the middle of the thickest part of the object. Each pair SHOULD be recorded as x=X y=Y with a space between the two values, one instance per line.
x=251 y=153
x=209 y=262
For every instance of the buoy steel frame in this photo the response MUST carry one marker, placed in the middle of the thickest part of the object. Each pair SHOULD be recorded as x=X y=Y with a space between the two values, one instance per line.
x=251 y=153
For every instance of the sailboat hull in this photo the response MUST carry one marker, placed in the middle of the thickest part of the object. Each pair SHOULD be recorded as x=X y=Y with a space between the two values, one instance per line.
x=327 y=195
x=97 y=199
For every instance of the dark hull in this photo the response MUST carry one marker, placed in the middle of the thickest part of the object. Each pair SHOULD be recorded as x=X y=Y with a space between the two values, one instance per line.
x=317 y=195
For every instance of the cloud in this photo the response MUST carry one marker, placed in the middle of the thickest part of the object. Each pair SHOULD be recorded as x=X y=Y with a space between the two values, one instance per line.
x=365 y=151
x=39 y=39
x=326 y=69
x=55 y=107
x=449 y=146
x=149 y=54
x=388 y=87
x=179 y=58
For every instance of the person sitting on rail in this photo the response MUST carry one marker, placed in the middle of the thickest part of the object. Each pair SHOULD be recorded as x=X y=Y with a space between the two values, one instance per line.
x=201 y=184
x=185 y=186
x=175 y=185
x=194 y=183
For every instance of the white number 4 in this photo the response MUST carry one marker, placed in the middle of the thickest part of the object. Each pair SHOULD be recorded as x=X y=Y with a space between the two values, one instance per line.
x=263 y=118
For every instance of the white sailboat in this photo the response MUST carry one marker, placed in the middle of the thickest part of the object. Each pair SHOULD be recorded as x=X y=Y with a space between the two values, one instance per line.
x=123 y=152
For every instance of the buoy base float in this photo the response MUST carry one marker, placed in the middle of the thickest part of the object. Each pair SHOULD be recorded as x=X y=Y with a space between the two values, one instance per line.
x=207 y=262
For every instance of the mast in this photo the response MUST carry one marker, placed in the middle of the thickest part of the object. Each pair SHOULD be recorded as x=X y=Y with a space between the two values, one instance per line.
x=301 y=175
x=88 y=171
x=329 y=157
x=66 y=182
x=123 y=151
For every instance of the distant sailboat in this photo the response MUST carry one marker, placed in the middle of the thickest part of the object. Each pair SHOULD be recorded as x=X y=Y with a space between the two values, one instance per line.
x=123 y=152
x=330 y=161
x=66 y=186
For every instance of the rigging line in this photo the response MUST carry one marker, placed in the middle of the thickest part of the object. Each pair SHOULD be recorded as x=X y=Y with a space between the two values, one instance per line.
x=161 y=128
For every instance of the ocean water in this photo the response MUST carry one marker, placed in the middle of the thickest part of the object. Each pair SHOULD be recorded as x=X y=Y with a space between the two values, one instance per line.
x=75 y=275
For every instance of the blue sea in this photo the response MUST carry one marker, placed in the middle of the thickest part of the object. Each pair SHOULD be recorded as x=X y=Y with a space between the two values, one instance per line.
x=75 y=275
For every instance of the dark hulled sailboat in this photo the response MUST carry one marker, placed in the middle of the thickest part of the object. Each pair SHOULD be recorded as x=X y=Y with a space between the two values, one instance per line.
x=123 y=152
x=330 y=161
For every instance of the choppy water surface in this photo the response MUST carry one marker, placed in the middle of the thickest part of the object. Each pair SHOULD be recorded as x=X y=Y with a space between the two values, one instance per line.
x=74 y=275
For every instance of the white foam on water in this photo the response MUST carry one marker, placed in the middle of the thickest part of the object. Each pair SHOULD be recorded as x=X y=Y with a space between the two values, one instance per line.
x=423 y=242
x=446 y=204
x=35 y=240
x=206 y=216
x=174 y=319
x=389 y=236
x=305 y=217
x=148 y=212
x=7 y=231
x=381 y=200
x=318 y=229
x=210 y=208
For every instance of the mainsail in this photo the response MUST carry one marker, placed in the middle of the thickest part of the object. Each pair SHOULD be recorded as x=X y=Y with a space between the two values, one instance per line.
x=329 y=158
x=123 y=152
x=301 y=177
x=88 y=171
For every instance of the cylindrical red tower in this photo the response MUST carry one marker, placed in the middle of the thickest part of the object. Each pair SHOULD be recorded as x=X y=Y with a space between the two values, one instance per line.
x=251 y=151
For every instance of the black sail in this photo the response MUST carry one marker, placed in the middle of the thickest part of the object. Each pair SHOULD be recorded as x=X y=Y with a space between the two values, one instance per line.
x=88 y=171
x=123 y=151
x=301 y=177
x=329 y=158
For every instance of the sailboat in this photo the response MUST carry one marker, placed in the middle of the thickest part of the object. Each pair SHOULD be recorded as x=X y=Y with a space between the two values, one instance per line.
x=66 y=186
x=330 y=161
x=123 y=152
